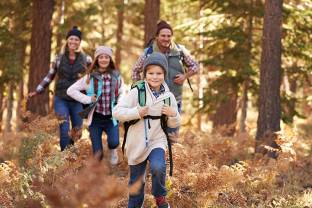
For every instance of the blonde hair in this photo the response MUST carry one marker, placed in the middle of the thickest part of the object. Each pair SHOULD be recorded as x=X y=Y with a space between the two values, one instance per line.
x=65 y=48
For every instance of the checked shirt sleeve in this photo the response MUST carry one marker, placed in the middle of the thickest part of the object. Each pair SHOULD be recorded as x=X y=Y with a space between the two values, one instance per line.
x=138 y=68
x=49 y=77
x=189 y=62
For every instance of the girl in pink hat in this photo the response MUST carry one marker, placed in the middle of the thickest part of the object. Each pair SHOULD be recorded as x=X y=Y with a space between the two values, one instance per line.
x=103 y=86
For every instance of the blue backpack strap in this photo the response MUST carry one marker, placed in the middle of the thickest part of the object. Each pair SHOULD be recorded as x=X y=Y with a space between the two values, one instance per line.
x=148 y=51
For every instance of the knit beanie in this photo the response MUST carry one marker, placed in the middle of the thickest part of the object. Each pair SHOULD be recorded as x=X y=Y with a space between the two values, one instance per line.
x=103 y=50
x=162 y=25
x=75 y=32
x=158 y=59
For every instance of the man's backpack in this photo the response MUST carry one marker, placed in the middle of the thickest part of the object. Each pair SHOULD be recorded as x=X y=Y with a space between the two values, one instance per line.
x=149 y=50
x=140 y=85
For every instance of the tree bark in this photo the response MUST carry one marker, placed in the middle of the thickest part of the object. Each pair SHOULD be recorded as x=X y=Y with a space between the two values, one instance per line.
x=226 y=113
x=244 y=102
x=151 y=17
x=40 y=53
x=8 y=125
x=120 y=22
x=1 y=105
x=270 y=72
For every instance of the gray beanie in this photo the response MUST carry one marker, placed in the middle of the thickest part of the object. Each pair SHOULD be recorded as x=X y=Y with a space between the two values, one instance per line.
x=158 y=59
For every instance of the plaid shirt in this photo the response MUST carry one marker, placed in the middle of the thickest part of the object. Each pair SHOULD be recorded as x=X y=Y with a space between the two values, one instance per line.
x=52 y=72
x=188 y=61
x=161 y=91
x=104 y=105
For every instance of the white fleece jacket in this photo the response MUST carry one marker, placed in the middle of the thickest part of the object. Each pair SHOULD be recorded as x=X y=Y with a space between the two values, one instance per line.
x=136 y=148
x=75 y=89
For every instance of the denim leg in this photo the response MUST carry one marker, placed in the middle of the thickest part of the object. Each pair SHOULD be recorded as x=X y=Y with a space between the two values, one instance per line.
x=137 y=172
x=61 y=109
x=74 y=109
x=96 y=139
x=158 y=170
x=112 y=134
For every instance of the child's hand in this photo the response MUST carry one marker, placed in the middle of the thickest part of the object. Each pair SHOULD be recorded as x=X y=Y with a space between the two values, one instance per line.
x=93 y=98
x=143 y=111
x=168 y=111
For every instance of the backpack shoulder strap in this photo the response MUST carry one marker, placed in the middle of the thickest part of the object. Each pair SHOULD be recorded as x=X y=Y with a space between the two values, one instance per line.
x=167 y=101
x=140 y=85
x=148 y=51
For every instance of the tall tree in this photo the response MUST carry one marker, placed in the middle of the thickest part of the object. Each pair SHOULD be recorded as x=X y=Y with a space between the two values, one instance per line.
x=8 y=124
x=120 y=24
x=40 y=52
x=151 y=17
x=244 y=99
x=270 y=71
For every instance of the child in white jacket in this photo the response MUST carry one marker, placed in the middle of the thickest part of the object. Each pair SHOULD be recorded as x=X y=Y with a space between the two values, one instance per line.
x=103 y=85
x=146 y=140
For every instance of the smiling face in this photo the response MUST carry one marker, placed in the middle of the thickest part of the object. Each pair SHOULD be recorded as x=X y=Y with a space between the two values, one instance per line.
x=103 y=62
x=164 y=38
x=73 y=42
x=155 y=76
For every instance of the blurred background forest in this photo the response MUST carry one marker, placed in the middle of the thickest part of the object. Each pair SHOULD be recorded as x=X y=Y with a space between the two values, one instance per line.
x=226 y=38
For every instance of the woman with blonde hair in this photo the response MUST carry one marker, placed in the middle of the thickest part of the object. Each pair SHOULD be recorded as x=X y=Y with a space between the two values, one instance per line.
x=69 y=66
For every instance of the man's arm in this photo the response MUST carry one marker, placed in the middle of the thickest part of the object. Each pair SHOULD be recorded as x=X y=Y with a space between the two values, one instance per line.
x=138 y=68
x=190 y=63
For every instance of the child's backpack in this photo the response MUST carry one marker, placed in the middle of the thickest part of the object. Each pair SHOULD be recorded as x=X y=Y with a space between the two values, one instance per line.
x=140 y=85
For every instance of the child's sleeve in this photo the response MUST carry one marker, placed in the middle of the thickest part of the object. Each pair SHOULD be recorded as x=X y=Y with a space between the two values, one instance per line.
x=174 y=121
x=75 y=89
x=126 y=109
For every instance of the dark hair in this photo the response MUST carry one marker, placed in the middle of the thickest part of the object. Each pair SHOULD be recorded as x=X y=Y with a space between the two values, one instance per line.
x=95 y=65
x=163 y=25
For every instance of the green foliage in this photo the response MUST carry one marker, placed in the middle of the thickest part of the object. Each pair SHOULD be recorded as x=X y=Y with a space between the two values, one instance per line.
x=29 y=147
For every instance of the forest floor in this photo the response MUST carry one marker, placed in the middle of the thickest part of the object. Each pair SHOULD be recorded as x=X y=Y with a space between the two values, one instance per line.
x=210 y=170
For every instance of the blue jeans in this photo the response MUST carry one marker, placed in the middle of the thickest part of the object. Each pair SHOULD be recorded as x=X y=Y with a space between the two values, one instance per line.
x=175 y=130
x=67 y=110
x=158 y=170
x=99 y=124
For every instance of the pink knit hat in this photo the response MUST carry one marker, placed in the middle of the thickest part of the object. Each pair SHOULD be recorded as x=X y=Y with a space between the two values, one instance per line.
x=103 y=50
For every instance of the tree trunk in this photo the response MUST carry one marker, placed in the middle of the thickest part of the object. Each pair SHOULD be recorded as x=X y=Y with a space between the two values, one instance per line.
x=1 y=105
x=8 y=125
x=226 y=112
x=270 y=73
x=120 y=21
x=151 y=17
x=244 y=105
x=60 y=22
x=40 y=53
x=20 y=107
x=244 y=102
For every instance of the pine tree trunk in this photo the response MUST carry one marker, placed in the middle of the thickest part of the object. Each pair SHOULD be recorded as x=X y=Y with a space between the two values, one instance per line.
x=270 y=72
x=60 y=21
x=1 y=105
x=226 y=113
x=151 y=17
x=244 y=101
x=19 y=108
x=244 y=105
x=40 y=53
x=120 y=21
x=10 y=100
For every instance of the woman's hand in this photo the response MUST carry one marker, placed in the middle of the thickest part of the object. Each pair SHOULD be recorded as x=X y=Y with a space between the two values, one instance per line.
x=32 y=94
x=168 y=111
